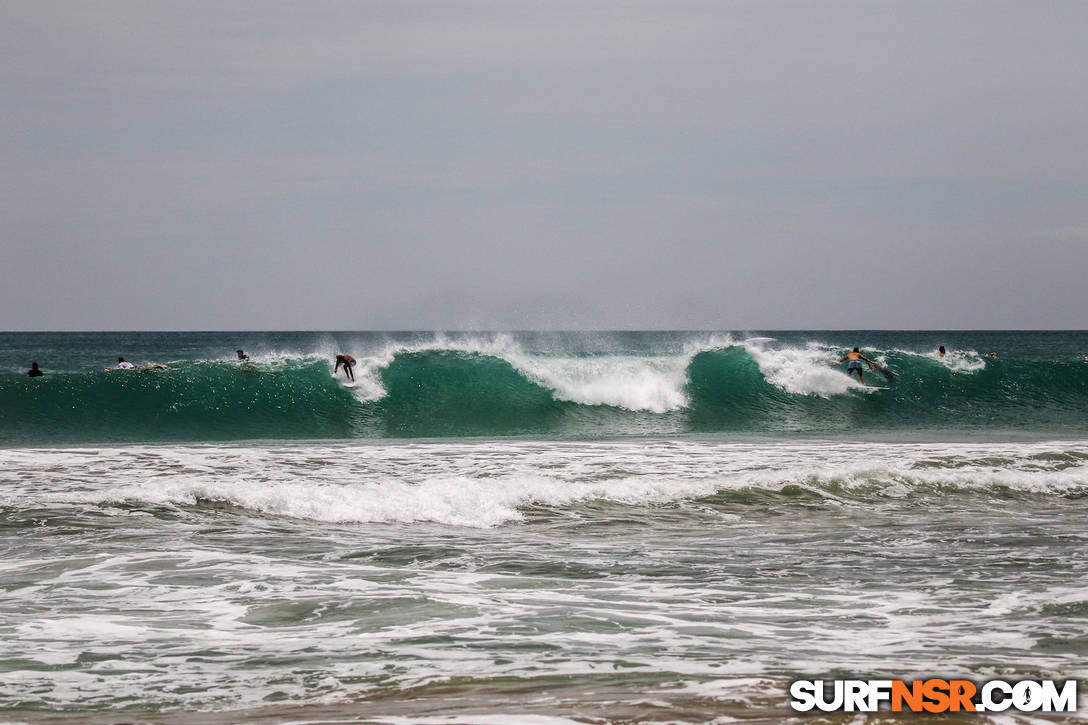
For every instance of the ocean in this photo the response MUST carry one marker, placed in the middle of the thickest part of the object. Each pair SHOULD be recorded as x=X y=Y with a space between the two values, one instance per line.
x=532 y=527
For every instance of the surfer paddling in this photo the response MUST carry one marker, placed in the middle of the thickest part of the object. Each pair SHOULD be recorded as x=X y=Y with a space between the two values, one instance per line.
x=123 y=364
x=855 y=359
x=348 y=362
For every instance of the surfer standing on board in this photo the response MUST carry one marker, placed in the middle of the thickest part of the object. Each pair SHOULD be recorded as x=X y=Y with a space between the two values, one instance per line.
x=855 y=359
x=348 y=362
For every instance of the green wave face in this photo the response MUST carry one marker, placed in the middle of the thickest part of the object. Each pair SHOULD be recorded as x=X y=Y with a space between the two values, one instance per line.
x=1006 y=393
x=728 y=392
x=441 y=392
x=187 y=402
x=450 y=393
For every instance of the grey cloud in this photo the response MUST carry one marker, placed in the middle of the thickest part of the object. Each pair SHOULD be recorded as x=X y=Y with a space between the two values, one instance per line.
x=572 y=165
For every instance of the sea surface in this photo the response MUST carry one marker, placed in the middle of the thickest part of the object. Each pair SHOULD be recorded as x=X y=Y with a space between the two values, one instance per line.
x=532 y=527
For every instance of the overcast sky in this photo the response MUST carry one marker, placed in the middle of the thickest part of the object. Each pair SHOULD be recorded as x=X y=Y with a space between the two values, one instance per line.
x=543 y=165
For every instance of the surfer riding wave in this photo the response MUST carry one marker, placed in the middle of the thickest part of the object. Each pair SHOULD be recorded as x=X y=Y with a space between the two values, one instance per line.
x=855 y=359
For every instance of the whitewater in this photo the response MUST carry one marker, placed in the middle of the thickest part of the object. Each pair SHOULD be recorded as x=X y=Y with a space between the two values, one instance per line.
x=531 y=527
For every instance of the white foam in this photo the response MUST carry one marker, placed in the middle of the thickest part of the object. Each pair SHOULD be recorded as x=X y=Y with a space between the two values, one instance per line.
x=801 y=371
x=958 y=361
x=488 y=485
x=455 y=501
x=635 y=382
x=654 y=384
x=961 y=361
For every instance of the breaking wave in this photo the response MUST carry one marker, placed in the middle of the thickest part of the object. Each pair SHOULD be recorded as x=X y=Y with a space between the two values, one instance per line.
x=491 y=386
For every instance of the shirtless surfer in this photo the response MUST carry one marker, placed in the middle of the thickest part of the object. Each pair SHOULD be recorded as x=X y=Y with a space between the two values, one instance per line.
x=855 y=359
x=348 y=362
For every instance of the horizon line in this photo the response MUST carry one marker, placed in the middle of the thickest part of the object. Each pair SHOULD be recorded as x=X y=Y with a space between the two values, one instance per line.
x=556 y=330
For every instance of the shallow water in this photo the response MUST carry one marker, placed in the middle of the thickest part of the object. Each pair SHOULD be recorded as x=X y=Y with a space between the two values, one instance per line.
x=621 y=579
